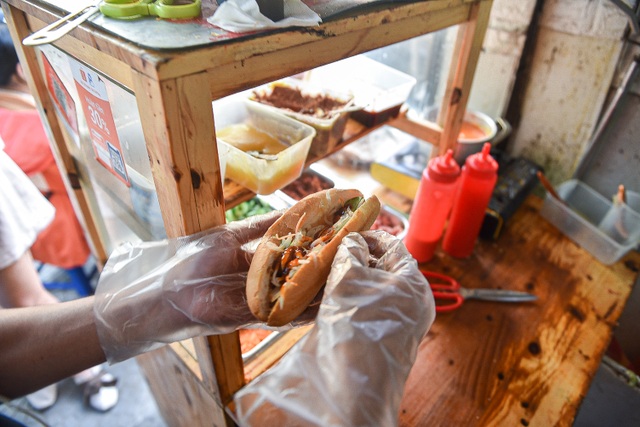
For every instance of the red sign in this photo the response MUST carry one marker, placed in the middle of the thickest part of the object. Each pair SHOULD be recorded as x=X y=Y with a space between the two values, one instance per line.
x=92 y=92
x=60 y=95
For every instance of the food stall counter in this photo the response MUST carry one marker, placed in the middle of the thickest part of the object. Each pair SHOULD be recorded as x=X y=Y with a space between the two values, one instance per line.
x=492 y=363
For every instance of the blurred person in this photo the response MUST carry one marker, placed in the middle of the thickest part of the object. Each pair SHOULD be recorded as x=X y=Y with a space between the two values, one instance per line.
x=24 y=213
x=30 y=226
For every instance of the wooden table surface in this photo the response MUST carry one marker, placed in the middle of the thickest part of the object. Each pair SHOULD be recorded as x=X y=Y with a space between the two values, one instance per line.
x=518 y=364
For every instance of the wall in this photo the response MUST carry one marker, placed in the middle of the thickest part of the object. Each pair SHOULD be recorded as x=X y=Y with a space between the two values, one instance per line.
x=501 y=55
x=577 y=48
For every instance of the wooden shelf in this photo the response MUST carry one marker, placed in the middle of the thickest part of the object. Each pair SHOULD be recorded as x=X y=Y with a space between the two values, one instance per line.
x=235 y=194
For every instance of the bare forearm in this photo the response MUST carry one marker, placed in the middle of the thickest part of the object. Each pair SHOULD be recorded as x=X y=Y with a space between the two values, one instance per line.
x=44 y=344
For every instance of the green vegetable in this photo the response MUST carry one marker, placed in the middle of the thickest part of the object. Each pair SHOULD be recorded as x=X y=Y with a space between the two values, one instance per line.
x=355 y=203
x=247 y=209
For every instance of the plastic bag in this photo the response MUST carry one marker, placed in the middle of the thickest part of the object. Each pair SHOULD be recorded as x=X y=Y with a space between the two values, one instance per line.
x=350 y=369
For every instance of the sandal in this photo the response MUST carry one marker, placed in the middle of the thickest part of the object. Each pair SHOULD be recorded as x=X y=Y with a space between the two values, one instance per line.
x=101 y=392
x=43 y=398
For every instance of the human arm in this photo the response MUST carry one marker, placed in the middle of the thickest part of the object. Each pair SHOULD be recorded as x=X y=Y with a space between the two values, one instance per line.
x=194 y=286
x=44 y=344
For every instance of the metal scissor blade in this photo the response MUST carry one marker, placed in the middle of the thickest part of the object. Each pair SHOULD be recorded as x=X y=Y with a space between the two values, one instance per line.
x=62 y=26
x=497 y=295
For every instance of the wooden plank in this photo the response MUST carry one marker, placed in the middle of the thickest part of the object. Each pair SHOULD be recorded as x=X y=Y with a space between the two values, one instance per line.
x=495 y=364
x=463 y=65
x=334 y=39
x=275 y=352
x=422 y=129
x=181 y=399
x=228 y=77
x=177 y=119
x=227 y=364
x=177 y=122
x=98 y=57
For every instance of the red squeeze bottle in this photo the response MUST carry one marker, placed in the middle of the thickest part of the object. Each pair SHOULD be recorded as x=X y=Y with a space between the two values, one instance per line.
x=432 y=206
x=477 y=180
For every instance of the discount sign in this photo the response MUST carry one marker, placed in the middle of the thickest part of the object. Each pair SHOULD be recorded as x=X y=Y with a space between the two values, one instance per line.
x=92 y=92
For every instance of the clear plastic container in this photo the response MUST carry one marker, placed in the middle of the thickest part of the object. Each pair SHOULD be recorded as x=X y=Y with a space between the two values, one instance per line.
x=262 y=175
x=309 y=182
x=391 y=221
x=329 y=128
x=380 y=89
x=592 y=221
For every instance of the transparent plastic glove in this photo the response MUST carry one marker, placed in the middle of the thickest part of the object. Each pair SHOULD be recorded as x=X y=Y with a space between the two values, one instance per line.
x=154 y=293
x=350 y=369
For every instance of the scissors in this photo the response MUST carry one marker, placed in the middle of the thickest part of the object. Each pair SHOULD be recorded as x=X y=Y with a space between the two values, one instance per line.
x=118 y=9
x=449 y=295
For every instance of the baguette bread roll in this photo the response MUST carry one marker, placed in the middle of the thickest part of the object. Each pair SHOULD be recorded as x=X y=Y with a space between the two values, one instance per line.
x=293 y=260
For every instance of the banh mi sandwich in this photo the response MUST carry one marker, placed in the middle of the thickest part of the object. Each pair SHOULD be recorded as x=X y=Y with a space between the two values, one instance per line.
x=294 y=257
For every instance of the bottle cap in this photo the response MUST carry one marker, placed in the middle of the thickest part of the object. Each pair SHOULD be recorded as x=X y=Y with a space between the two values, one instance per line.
x=482 y=164
x=443 y=168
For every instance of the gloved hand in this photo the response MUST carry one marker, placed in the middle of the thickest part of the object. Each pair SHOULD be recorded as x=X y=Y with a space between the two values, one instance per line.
x=350 y=369
x=154 y=293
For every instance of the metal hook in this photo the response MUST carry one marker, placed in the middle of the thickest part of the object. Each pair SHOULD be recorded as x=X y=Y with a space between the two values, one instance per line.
x=59 y=28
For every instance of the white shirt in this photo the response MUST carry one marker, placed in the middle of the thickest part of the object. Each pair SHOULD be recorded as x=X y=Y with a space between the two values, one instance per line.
x=24 y=211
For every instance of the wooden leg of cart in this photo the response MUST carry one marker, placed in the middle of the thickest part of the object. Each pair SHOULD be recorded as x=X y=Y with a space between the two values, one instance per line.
x=177 y=113
x=463 y=66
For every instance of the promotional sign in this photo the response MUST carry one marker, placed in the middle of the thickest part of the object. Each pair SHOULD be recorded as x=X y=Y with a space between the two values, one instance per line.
x=93 y=96
x=60 y=95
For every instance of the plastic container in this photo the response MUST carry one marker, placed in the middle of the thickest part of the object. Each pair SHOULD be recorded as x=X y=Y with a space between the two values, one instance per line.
x=585 y=219
x=380 y=89
x=432 y=206
x=392 y=222
x=309 y=182
x=402 y=170
x=329 y=128
x=262 y=175
x=372 y=147
x=477 y=180
x=633 y=200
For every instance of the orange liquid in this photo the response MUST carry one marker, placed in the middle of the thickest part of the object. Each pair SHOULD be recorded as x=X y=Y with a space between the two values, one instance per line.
x=470 y=131
x=247 y=138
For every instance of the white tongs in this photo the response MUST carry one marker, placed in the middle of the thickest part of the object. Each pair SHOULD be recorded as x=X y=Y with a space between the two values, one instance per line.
x=59 y=28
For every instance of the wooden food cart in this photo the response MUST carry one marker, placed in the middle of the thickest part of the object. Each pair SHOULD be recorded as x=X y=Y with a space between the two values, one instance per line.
x=194 y=381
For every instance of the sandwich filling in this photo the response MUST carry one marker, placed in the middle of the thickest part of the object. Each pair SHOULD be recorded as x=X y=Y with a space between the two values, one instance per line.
x=298 y=248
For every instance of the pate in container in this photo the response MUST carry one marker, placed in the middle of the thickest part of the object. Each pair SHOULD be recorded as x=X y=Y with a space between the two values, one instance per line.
x=327 y=111
x=309 y=182
x=379 y=89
